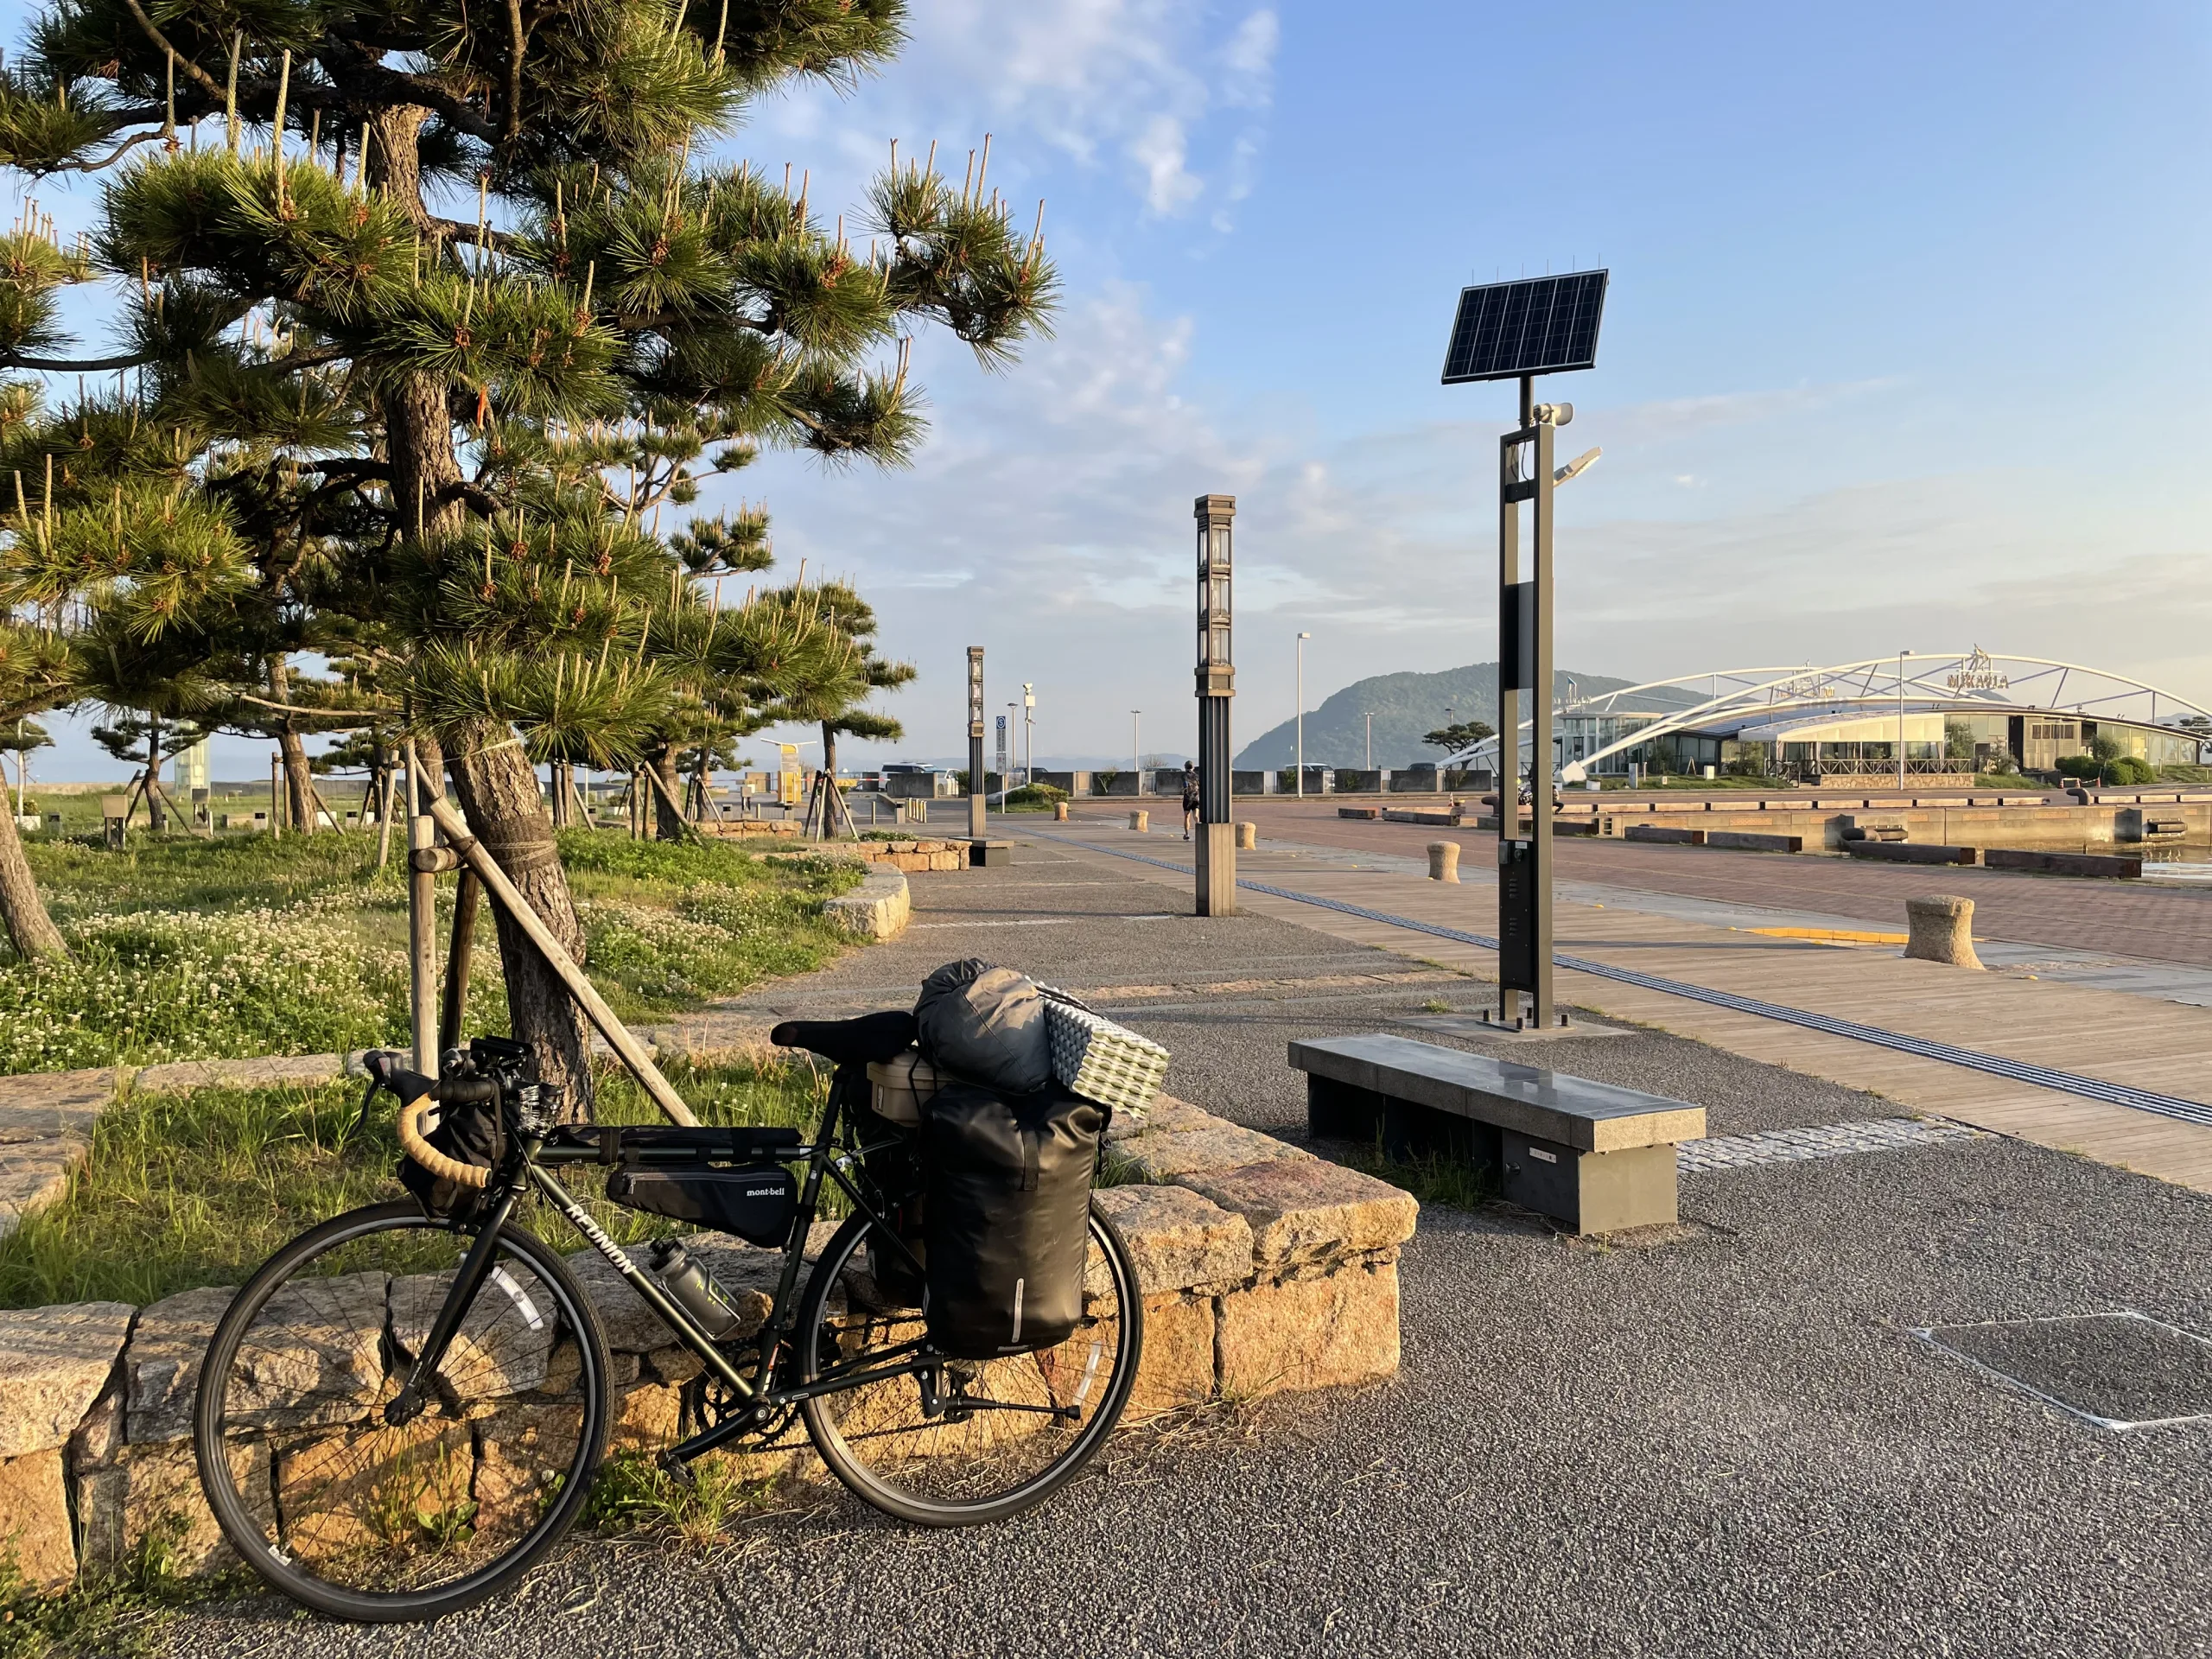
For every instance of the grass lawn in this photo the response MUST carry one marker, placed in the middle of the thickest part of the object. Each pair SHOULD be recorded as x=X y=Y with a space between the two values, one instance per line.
x=190 y=949
x=197 y=1188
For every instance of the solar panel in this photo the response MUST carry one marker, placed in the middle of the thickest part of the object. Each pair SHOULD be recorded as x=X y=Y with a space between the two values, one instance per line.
x=1537 y=325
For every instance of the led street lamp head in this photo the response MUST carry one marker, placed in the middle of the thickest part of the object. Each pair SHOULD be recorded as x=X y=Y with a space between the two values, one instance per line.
x=1576 y=467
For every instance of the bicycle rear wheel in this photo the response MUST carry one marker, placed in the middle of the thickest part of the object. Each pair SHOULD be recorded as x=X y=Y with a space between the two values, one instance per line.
x=1006 y=1433
x=341 y=1507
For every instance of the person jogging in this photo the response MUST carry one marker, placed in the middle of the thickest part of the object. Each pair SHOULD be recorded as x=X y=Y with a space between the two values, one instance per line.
x=1190 y=798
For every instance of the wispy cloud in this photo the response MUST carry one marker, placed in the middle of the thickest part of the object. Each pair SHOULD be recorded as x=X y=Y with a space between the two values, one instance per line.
x=1168 y=97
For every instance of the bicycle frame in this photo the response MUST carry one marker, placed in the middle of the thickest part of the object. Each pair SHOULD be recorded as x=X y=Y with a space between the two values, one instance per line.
x=526 y=1166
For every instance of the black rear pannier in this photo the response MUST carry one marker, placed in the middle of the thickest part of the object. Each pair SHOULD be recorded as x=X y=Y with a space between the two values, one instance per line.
x=1006 y=1217
x=756 y=1204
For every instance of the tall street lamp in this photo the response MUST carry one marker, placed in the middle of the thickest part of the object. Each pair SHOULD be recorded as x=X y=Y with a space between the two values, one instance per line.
x=1215 y=862
x=977 y=828
x=1029 y=731
x=1300 y=769
x=1136 y=744
x=1516 y=331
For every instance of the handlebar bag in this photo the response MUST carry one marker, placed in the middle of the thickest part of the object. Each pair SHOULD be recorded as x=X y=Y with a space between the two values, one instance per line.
x=469 y=1132
x=756 y=1204
x=987 y=1025
x=1006 y=1217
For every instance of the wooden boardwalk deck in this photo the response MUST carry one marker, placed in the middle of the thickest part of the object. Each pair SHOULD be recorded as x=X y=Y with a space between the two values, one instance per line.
x=2111 y=1035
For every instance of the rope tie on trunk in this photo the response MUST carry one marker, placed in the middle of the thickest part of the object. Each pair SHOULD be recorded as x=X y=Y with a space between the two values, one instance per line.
x=532 y=847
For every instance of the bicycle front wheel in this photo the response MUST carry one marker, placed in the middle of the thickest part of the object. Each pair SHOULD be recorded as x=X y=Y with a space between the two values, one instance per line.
x=962 y=1442
x=361 y=1510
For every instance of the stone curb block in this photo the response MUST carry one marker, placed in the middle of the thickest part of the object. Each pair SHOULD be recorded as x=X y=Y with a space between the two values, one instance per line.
x=1263 y=1268
x=878 y=909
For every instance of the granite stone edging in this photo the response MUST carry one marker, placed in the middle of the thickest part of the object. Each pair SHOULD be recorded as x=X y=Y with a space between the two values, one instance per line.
x=1264 y=1270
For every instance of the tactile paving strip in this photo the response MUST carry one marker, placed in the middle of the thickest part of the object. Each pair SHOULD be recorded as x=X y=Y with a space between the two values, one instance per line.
x=1822 y=1141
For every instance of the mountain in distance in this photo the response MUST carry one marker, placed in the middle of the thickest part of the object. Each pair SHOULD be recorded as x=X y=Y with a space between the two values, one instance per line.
x=1405 y=707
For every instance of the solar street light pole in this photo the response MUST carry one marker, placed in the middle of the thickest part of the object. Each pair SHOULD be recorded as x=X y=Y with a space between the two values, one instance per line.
x=1515 y=331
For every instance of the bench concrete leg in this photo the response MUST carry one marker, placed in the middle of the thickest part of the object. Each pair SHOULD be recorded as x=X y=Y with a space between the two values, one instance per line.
x=1342 y=1111
x=1590 y=1191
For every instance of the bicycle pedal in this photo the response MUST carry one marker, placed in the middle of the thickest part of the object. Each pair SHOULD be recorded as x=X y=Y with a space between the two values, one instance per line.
x=679 y=1471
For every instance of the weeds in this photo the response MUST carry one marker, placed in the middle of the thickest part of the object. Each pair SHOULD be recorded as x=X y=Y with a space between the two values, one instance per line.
x=184 y=1189
x=120 y=1615
x=632 y=1493
x=186 y=948
x=1433 y=1178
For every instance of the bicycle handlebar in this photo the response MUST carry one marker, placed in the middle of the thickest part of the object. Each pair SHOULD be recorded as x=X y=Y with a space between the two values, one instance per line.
x=411 y=1142
x=417 y=1095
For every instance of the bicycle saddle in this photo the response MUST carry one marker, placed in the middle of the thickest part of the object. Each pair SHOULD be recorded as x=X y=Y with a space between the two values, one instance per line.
x=846 y=1042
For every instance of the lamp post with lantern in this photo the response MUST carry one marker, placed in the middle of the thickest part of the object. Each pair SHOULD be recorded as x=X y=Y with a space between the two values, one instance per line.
x=1215 y=861
x=978 y=800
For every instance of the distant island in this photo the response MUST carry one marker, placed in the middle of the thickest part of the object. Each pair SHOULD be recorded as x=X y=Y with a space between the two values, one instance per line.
x=1406 y=707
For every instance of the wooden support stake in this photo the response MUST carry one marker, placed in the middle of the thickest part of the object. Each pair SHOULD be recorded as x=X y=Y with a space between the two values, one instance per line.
x=458 y=956
x=383 y=817
x=502 y=891
x=422 y=927
x=661 y=788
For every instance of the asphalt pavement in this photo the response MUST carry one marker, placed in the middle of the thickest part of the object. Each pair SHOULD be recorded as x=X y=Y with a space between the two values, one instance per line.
x=1730 y=1441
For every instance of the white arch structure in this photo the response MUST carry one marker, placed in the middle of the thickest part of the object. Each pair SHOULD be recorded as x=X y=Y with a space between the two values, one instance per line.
x=1970 y=682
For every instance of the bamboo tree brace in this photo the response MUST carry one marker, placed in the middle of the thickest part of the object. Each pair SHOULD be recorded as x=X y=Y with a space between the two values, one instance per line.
x=631 y=1052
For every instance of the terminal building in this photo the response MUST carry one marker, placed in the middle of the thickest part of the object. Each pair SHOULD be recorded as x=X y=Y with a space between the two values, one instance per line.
x=1954 y=717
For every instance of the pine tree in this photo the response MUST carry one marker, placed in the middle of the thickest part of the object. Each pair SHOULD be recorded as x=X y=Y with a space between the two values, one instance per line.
x=36 y=674
x=448 y=440
x=836 y=702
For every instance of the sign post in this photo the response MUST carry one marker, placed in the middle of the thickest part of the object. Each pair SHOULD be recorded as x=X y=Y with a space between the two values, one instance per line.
x=1216 y=847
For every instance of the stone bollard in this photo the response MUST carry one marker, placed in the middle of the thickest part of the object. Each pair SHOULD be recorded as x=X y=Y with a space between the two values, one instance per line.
x=1942 y=931
x=1140 y=822
x=1248 y=837
x=1060 y=812
x=1444 y=860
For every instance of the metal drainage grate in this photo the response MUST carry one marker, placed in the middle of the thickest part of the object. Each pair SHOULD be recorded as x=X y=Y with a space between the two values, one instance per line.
x=2117 y=1370
x=1822 y=1141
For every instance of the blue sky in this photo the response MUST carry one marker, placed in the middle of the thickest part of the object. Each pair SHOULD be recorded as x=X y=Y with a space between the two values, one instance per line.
x=1907 y=341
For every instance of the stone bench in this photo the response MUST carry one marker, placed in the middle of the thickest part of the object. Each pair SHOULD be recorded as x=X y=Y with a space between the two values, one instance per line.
x=2124 y=867
x=1591 y=1155
x=1911 y=852
x=1753 y=841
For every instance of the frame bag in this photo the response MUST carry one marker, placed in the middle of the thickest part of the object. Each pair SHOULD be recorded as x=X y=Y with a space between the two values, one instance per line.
x=1006 y=1217
x=757 y=1204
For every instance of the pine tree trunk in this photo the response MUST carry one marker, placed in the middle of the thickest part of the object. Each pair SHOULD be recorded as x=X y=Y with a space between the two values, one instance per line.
x=830 y=800
x=300 y=804
x=22 y=911
x=156 y=820
x=497 y=788
x=668 y=822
